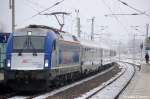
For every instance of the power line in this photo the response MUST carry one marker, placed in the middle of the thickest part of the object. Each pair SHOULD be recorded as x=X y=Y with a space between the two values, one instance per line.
x=57 y=3
x=47 y=9
x=31 y=6
x=123 y=14
x=124 y=3
x=34 y=3
x=114 y=16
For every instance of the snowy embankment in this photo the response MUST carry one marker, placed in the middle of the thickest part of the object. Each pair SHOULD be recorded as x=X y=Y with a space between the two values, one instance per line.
x=111 y=88
x=129 y=59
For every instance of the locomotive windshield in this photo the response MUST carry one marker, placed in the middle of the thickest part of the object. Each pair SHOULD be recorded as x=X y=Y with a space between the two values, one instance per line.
x=28 y=44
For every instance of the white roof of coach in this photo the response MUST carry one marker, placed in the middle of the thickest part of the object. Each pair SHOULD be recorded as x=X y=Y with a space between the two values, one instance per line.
x=68 y=37
x=104 y=46
x=92 y=44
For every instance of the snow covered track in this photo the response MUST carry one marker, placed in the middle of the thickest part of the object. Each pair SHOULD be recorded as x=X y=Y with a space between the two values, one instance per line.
x=112 y=88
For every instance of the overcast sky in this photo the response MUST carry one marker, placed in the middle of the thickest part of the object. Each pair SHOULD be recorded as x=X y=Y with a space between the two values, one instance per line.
x=118 y=27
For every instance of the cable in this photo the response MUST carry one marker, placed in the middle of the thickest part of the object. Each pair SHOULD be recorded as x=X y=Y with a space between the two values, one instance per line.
x=115 y=16
x=47 y=9
x=57 y=3
x=123 y=14
x=134 y=8
x=31 y=6
x=35 y=3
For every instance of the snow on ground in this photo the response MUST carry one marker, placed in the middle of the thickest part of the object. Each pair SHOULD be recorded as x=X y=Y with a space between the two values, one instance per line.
x=69 y=86
x=113 y=89
x=18 y=97
x=129 y=59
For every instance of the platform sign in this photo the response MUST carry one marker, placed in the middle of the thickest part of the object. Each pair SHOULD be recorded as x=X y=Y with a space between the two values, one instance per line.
x=5 y=17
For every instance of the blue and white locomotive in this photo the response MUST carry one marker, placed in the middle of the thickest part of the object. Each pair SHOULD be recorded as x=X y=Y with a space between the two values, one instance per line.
x=38 y=56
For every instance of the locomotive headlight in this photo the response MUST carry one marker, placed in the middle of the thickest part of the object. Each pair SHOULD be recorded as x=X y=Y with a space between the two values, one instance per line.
x=46 y=63
x=29 y=33
x=8 y=63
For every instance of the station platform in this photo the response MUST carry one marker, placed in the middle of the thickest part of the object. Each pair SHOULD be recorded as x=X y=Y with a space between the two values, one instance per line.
x=139 y=87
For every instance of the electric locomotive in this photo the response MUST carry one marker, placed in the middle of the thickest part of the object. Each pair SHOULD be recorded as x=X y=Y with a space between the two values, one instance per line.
x=38 y=56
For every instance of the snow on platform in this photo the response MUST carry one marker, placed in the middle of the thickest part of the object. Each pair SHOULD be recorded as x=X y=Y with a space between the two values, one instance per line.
x=139 y=88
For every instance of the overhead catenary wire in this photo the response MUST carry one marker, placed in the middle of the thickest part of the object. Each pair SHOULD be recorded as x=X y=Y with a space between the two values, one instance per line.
x=47 y=8
x=126 y=14
x=115 y=16
x=35 y=4
x=129 y=14
x=28 y=4
x=38 y=13
x=124 y=3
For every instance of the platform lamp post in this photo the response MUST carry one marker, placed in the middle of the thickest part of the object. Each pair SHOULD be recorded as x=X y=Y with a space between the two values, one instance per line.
x=12 y=7
x=134 y=34
x=141 y=46
x=119 y=49
x=119 y=45
x=134 y=38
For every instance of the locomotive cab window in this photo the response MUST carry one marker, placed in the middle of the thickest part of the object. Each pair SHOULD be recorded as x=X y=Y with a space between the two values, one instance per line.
x=28 y=44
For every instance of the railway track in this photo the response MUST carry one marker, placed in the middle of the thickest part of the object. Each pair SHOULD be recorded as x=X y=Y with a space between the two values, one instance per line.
x=106 y=91
x=84 y=85
x=78 y=88
x=134 y=66
x=54 y=91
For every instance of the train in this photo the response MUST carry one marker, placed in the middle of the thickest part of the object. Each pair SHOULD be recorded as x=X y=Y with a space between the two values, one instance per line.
x=38 y=56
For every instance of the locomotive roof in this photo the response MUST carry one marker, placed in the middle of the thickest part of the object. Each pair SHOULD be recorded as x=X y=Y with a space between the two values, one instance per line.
x=35 y=31
x=41 y=30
